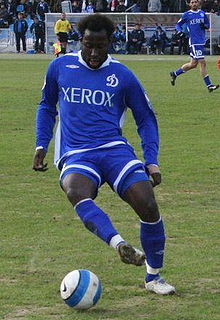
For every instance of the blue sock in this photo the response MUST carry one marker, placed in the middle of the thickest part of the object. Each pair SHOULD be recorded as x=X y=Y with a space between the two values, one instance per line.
x=95 y=220
x=151 y=277
x=179 y=71
x=207 y=80
x=153 y=243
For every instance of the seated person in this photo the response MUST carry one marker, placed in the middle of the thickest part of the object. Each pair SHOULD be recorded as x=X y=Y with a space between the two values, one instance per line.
x=135 y=39
x=158 y=41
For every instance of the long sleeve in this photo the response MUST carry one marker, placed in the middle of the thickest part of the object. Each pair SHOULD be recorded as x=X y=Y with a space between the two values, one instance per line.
x=46 y=112
x=137 y=100
x=181 y=21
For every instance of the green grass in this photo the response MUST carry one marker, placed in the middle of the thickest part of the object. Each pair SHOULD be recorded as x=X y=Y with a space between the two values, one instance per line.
x=42 y=239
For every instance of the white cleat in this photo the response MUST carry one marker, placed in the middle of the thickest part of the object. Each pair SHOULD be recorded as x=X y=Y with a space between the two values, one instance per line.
x=159 y=286
x=131 y=255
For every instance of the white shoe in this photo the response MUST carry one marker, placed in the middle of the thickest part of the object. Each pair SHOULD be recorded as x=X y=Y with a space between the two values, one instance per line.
x=130 y=255
x=159 y=286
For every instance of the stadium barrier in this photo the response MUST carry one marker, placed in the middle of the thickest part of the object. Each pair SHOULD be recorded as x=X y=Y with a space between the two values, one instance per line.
x=149 y=21
x=7 y=41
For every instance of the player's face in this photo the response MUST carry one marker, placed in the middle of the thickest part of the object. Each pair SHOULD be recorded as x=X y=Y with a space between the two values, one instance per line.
x=194 y=4
x=95 y=48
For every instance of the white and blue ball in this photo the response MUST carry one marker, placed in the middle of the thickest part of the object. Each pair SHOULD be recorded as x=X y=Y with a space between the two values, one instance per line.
x=80 y=289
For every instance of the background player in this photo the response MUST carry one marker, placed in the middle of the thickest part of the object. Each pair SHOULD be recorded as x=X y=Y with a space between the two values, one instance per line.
x=93 y=96
x=61 y=28
x=196 y=22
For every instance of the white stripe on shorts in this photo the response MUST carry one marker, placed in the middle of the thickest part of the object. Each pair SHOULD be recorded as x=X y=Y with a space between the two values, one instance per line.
x=123 y=171
x=80 y=166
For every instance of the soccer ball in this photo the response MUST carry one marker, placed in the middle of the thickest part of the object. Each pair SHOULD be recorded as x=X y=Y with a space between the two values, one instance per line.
x=80 y=289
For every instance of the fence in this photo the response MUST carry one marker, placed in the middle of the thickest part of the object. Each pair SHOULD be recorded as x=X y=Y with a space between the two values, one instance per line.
x=7 y=40
x=147 y=20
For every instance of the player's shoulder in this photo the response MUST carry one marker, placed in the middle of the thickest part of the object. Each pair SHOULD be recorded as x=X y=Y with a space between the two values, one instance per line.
x=202 y=12
x=117 y=65
x=123 y=72
x=69 y=60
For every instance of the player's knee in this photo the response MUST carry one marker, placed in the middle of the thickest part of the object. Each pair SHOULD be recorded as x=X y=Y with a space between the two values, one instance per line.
x=74 y=195
x=150 y=212
x=151 y=205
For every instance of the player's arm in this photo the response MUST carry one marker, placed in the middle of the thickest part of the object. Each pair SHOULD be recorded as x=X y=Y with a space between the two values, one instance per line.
x=45 y=118
x=206 y=24
x=69 y=27
x=180 y=23
x=57 y=27
x=147 y=127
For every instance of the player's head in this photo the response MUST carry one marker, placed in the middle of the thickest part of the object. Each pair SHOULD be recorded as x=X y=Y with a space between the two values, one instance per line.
x=63 y=16
x=194 y=4
x=20 y=15
x=96 y=33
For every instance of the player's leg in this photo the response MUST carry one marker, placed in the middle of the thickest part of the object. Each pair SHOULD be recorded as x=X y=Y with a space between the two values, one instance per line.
x=141 y=198
x=23 y=39
x=81 y=191
x=183 y=69
x=18 y=39
x=80 y=182
x=204 y=74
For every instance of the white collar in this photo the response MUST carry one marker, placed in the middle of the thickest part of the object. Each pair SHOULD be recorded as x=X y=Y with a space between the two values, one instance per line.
x=105 y=63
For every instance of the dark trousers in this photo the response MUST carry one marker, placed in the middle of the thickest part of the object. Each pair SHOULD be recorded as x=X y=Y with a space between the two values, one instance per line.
x=19 y=36
x=39 y=43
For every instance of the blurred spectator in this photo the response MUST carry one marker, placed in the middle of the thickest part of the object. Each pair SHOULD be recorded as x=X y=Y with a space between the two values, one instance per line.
x=3 y=16
x=121 y=6
x=41 y=9
x=20 y=29
x=207 y=5
x=21 y=7
x=89 y=7
x=136 y=6
x=135 y=39
x=11 y=11
x=179 y=40
x=165 y=5
x=216 y=7
x=38 y=31
x=62 y=28
x=158 y=41
x=29 y=9
x=142 y=4
x=101 y=5
x=112 y=5
x=118 y=44
x=76 y=7
x=154 y=6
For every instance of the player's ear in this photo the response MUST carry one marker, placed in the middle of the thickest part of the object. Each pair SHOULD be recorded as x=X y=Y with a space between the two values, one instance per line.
x=110 y=38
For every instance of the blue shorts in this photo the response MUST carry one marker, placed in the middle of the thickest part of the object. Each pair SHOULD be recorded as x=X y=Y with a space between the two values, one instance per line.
x=197 y=51
x=118 y=166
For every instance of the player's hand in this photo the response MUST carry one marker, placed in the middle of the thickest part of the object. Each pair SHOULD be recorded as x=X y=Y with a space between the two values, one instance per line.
x=38 y=161
x=203 y=26
x=155 y=174
x=180 y=34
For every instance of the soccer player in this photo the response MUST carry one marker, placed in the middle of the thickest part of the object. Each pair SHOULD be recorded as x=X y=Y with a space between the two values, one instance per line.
x=93 y=91
x=196 y=22
x=61 y=28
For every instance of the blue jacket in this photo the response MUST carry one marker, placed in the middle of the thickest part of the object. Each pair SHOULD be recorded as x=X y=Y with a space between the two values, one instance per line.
x=24 y=26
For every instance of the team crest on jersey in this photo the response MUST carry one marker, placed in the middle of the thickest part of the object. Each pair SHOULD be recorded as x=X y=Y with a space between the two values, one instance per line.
x=202 y=14
x=72 y=66
x=112 y=81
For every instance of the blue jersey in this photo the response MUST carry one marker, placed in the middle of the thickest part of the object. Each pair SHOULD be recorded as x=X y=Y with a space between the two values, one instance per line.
x=193 y=19
x=92 y=105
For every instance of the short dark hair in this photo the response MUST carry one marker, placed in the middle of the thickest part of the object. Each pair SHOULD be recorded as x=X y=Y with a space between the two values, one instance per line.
x=96 y=22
